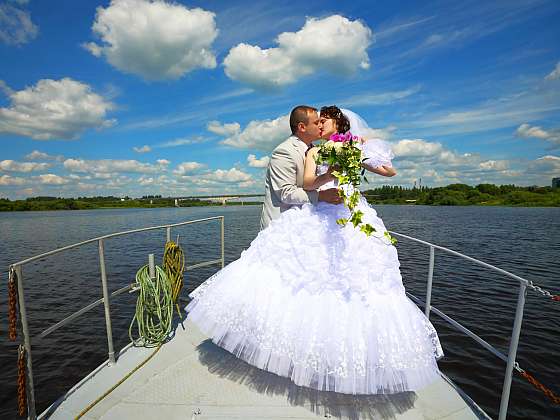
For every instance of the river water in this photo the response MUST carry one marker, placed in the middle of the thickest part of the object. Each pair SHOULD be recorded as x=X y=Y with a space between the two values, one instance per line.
x=525 y=241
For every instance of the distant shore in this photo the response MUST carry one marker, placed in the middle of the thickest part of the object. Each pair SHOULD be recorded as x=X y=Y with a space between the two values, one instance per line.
x=451 y=195
x=96 y=203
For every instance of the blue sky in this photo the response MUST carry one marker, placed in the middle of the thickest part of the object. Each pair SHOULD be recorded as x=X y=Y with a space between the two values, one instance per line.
x=135 y=97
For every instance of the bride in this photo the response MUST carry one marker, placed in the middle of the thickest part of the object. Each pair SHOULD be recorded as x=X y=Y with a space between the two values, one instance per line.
x=321 y=304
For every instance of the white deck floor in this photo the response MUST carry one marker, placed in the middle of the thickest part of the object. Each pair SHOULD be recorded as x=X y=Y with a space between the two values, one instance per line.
x=191 y=378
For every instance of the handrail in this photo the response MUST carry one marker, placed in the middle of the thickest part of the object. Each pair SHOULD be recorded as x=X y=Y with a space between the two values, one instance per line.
x=111 y=235
x=458 y=254
x=16 y=269
x=516 y=330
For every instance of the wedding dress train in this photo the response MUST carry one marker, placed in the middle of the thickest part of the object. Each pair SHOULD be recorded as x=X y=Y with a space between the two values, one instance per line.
x=322 y=305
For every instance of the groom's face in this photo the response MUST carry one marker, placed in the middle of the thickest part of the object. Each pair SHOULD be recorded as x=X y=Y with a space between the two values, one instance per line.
x=312 y=130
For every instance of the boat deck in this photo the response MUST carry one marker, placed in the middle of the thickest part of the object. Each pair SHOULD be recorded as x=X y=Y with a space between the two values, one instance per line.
x=191 y=378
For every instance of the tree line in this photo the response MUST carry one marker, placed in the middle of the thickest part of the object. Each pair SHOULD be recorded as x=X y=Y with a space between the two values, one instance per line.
x=85 y=203
x=451 y=195
x=466 y=195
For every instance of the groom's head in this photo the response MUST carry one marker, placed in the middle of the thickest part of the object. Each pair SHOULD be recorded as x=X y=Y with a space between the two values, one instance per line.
x=304 y=122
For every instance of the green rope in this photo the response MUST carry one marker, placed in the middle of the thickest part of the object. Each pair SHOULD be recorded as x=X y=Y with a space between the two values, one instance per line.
x=154 y=308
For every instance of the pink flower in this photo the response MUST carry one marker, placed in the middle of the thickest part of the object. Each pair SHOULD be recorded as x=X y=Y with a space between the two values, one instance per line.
x=343 y=138
x=337 y=137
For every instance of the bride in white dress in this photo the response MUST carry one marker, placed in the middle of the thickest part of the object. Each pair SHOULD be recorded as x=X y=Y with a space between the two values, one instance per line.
x=321 y=304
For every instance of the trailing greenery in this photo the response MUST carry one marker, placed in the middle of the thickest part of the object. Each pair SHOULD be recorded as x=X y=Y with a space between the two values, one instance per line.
x=467 y=195
x=341 y=153
x=84 y=203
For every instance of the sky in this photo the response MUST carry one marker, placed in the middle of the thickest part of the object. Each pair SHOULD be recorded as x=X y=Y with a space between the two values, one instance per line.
x=187 y=98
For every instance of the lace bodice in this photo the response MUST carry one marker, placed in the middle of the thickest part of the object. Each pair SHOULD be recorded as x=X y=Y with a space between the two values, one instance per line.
x=376 y=152
x=322 y=169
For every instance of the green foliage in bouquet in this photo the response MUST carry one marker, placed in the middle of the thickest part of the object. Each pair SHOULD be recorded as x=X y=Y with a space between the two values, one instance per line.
x=341 y=153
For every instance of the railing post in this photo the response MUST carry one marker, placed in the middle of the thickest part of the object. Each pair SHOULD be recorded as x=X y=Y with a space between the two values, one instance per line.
x=429 y=288
x=31 y=414
x=106 y=303
x=512 y=351
x=168 y=234
x=151 y=266
x=222 y=234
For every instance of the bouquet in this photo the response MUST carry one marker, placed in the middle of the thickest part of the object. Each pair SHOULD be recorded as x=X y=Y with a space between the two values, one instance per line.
x=342 y=153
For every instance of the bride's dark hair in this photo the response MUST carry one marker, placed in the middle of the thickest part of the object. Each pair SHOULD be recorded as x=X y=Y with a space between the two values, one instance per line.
x=334 y=112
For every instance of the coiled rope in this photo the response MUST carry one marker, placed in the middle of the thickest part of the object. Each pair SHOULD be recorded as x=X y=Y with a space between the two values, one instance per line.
x=174 y=266
x=154 y=308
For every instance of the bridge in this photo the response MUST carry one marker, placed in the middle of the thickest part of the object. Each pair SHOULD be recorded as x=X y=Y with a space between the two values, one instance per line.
x=220 y=198
x=242 y=197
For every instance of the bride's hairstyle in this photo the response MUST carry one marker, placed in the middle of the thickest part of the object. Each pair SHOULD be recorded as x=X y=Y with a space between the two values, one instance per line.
x=334 y=112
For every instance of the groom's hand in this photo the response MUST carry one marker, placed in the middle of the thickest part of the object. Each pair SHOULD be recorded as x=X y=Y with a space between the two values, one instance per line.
x=330 y=196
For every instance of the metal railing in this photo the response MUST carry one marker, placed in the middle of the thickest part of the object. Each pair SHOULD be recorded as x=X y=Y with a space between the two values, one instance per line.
x=510 y=359
x=17 y=268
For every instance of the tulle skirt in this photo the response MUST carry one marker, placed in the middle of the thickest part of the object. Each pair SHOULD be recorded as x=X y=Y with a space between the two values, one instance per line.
x=322 y=305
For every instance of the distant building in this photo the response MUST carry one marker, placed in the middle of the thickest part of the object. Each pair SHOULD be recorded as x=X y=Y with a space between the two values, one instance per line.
x=555 y=182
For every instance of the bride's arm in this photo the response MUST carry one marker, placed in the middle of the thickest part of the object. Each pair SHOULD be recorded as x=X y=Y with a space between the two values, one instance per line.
x=310 y=180
x=378 y=156
x=382 y=170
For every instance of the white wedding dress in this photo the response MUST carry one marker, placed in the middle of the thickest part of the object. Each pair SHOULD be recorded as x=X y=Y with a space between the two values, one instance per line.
x=321 y=304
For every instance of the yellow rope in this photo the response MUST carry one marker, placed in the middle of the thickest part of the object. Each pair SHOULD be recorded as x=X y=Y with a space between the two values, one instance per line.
x=89 y=407
x=174 y=266
x=173 y=269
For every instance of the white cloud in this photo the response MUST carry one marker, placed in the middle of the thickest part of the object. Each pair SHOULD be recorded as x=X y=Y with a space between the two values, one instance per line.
x=16 y=27
x=6 y=180
x=143 y=149
x=554 y=74
x=225 y=130
x=217 y=178
x=109 y=166
x=416 y=148
x=38 y=155
x=335 y=44
x=549 y=165
x=51 y=179
x=180 y=142
x=500 y=112
x=382 y=98
x=188 y=168
x=155 y=39
x=258 y=163
x=13 y=166
x=493 y=165
x=145 y=180
x=261 y=135
x=54 y=109
x=232 y=175
x=437 y=165
x=526 y=131
x=226 y=95
x=163 y=162
x=93 y=48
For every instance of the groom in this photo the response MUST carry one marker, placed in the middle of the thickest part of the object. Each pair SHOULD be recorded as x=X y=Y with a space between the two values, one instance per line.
x=284 y=176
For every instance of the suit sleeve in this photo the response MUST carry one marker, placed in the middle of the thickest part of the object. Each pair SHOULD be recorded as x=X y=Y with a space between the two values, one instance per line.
x=283 y=180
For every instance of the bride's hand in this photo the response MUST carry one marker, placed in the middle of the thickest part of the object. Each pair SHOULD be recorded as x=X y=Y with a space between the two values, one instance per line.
x=333 y=168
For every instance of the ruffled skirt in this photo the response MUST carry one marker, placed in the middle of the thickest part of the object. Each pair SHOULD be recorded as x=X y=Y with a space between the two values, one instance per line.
x=322 y=305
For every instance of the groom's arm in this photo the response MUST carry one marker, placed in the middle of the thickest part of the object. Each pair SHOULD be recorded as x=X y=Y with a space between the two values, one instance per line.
x=283 y=179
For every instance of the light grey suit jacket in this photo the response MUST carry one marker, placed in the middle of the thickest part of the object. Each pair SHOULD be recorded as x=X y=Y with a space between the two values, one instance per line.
x=284 y=180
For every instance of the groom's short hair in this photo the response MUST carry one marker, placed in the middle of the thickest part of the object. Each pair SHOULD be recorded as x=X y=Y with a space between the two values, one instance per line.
x=300 y=114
